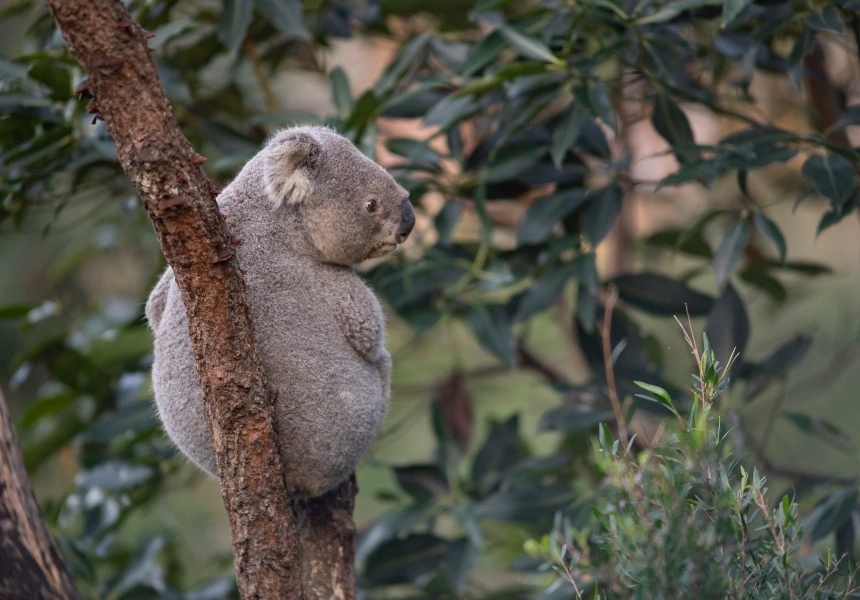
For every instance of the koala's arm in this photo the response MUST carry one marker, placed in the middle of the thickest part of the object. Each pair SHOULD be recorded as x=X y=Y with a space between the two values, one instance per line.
x=158 y=299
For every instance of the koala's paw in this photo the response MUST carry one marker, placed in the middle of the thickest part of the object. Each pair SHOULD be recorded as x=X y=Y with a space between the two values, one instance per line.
x=364 y=333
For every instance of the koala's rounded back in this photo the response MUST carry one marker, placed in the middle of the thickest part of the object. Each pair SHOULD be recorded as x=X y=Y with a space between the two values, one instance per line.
x=306 y=208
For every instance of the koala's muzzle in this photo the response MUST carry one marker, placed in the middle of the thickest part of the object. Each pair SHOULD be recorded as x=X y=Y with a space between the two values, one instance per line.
x=407 y=222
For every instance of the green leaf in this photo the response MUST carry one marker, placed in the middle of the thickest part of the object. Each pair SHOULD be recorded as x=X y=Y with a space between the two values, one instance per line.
x=821 y=429
x=600 y=213
x=566 y=133
x=422 y=482
x=450 y=110
x=595 y=98
x=545 y=290
x=406 y=560
x=728 y=327
x=732 y=8
x=662 y=396
x=831 y=512
x=832 y=176
x=771 y=231
x=660 y=295
x=498 y=455
x=531 y=502
x=672 y=124
x=731 y=249
x=418 y=152
x=542 y=216
x=570 y=417
x=363 y=111
x=234 y=22
x=528 y=47
x=850 y=116
x=406 y=60
x=286 y=15
x=340 y=94
x=114 y=475
x=483 y=53
x=15 y=311
x=459 y=561
x=492 y=328
x=826 y=19
x=672 y=9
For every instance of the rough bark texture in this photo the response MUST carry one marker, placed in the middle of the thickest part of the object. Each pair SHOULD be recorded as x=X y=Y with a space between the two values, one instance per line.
x=179 y=199
x=30 y=566
x=326 y=535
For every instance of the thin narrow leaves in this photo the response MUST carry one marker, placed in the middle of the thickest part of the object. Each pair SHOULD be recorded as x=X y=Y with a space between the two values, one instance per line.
x=672 y=124
x=771 y=231
x=731 y=249
x=832 y=176
x=286 y=15
x=234 y=22
x=527 y=46
x=566 y=133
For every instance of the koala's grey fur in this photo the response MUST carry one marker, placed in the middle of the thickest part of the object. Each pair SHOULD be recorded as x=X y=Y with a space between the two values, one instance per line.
x=300 y=207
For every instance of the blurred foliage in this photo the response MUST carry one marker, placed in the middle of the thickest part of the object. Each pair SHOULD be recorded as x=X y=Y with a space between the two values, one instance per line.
x=523 y=101
x=677 y=521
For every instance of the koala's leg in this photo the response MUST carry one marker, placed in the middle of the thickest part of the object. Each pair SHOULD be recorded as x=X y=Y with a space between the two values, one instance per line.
x=158 y=299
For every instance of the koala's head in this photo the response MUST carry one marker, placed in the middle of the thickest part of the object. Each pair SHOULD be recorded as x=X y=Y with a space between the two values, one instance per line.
x=351 y=207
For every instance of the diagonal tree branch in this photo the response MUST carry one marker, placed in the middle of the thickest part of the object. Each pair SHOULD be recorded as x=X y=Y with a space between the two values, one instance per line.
x=179 y=199
x=30 y=566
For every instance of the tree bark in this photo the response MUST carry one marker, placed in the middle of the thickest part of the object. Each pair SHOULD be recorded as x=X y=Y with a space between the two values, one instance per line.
x=122 y=77
x=326 y=535
x=30 y=566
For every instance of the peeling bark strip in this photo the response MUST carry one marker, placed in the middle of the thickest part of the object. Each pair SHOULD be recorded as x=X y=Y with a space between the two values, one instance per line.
x=30 y=566
x=163 y=167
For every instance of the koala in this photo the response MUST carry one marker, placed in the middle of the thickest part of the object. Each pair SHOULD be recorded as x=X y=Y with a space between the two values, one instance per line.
x=308 y=207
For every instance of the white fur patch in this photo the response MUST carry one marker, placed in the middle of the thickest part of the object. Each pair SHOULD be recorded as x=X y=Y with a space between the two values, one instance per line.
x=290 y=189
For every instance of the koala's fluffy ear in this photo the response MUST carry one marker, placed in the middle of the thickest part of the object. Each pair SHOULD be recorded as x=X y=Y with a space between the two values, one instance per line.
x=292 y=159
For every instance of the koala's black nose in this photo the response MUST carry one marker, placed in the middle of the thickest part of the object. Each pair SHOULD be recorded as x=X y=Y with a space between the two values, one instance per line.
x=407 y=222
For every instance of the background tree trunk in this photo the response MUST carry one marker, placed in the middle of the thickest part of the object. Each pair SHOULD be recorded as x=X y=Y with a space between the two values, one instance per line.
x=30 y=566
x=179 y=199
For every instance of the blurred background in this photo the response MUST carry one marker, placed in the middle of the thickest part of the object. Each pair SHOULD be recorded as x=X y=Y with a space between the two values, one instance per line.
x=680 y=155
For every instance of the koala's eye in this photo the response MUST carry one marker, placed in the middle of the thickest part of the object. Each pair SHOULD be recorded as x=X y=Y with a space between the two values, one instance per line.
x=371 y=205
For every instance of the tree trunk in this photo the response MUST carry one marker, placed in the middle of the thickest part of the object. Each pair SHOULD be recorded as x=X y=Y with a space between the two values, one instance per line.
x=179 y=199
x=326 y=535
x=30 y=566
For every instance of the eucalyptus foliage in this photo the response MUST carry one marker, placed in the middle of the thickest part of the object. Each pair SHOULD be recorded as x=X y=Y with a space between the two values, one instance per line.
x=523 y=98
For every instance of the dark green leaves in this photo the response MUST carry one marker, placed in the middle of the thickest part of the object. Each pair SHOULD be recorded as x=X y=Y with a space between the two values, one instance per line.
x=422 y=482
x=728 y=326
x=286 y=15
x=826 y=19
x=771 y=231
x=600 y=214
x=832 y=176
x=542 y=216
x=566 y=133
x=821 y=428
x=731 y=249
x=234 y=22
x=672 y=124
x=404 y=561
x=491 y=325
x=527 y=46
x=660 y=295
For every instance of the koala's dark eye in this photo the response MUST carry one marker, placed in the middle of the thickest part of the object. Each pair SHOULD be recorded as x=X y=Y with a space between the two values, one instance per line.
x=371 y=205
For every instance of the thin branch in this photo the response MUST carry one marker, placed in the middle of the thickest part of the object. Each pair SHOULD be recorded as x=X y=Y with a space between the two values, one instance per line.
x=608 y=366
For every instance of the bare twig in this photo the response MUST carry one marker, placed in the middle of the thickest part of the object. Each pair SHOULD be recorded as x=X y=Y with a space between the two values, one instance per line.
x=608 y=366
